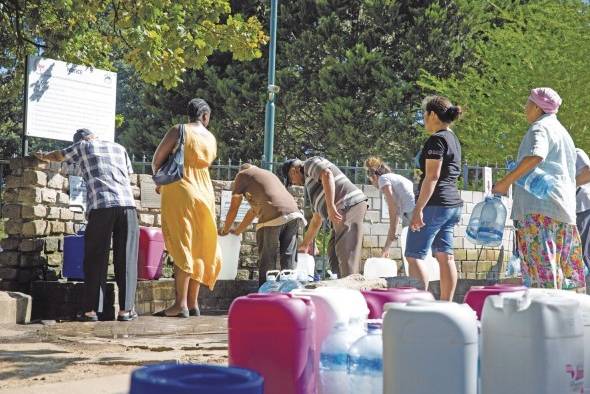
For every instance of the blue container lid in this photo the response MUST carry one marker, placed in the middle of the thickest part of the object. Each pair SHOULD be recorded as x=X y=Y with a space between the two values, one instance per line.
x=195 y=378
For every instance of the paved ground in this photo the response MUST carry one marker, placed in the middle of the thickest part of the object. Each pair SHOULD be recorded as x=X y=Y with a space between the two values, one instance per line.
x=94 y=358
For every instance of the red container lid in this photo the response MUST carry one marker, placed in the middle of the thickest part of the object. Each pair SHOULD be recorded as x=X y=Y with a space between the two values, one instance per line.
x=152 y=233
x=274 y=311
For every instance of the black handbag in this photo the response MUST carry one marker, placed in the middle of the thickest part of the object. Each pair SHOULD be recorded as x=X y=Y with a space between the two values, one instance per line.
x=173 y=169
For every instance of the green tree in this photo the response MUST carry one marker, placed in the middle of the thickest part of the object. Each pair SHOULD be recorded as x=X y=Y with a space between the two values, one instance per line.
x=522 y=46
x=158 y=40
x=348 y=74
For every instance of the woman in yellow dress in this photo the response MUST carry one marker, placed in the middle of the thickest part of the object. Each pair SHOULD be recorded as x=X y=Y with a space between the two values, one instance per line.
x=188 y=211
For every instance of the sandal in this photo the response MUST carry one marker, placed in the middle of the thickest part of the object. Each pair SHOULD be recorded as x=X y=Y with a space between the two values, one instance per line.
x=183 y=313
x=83 y=317
x=194 y=312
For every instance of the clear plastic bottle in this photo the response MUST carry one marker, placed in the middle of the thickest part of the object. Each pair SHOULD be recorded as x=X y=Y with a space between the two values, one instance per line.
x=487 y=222
x=365 y=361
x=537 y=182
x=334 y=359
x=271 y=285
x=290 y=281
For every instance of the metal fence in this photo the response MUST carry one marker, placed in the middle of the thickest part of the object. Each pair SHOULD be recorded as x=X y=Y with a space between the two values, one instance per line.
x=471 y=175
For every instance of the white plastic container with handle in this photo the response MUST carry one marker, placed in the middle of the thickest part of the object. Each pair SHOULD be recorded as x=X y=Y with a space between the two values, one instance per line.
x=306 y=263
x=230 y=253
x=379 y=267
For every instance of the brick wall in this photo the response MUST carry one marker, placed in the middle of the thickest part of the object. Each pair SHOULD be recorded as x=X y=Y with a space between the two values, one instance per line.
x=37 y=208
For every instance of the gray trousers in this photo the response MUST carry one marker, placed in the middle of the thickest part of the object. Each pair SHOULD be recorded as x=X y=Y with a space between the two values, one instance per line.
x=346 y=241
x=277 y=240
x=120 y=224
x=583 y=223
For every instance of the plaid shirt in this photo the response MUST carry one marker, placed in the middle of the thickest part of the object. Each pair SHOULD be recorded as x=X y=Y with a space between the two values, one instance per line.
x=105 y=167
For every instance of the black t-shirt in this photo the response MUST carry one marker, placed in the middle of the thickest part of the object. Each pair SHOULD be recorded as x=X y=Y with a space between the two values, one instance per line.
x=443 y=145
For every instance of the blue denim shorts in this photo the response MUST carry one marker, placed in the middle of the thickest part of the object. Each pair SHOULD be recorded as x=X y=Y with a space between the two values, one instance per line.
x=437 y=234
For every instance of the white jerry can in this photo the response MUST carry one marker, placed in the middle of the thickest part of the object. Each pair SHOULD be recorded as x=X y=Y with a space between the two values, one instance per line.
x=532 y=344
x=429 y=347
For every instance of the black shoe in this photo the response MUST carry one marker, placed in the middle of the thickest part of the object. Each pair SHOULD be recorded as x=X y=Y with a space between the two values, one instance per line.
x=128 y=316
x=183 y=313
x=83 y=317
x=194 y=312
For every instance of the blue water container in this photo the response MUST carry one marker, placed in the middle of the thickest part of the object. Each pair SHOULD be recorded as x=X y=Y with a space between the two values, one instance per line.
x=195 y=378
x=487 y=222
x=73 y=267
x=537 y=182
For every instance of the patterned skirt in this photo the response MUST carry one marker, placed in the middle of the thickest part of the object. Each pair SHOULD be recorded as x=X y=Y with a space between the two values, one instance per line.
x=550 y=252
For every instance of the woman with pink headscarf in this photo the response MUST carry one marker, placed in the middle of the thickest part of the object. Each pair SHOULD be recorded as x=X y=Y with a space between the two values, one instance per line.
x=548 y=239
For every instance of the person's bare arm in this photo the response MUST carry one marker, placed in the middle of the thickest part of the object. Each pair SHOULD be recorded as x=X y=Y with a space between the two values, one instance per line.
x=312 y=231
x=56 y=155
x=393 y=219
x=165 y=148
x=234 y=206
x=584 y=177
x=248 y=219
x=431 y=176
x=527 y=164
x=329 y=192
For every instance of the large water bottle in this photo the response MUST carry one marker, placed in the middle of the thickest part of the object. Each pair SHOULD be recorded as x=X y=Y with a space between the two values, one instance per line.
x=290 y=281
x=333 y=360
x=271 y=285
x=487 y=222
x=537 y=182
x=365 y=361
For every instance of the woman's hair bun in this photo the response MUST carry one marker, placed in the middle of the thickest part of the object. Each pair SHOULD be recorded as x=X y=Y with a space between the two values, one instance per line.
x=454 y=112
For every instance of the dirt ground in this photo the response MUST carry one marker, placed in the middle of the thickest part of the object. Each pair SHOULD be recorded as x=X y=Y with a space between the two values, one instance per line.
x=99 y=357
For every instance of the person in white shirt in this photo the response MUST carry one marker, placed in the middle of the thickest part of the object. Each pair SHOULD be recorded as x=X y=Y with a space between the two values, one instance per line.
x=399 y=196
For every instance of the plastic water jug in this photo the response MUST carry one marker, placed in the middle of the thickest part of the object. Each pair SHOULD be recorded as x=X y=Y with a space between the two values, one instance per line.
x=305 y=263
x=150 y=253
x=377 y=298
x=273 y=334
x=487 y=222
x=289 y=281
x=334 y=359
x=195 y=378
x=537 y=182
x=73 y=267
x=365 y=361
x=429 y=347
x=272 y=284
x=230 y=256
x=476 y=296
x=584 y=301
x=379 y=267
x=532 y=345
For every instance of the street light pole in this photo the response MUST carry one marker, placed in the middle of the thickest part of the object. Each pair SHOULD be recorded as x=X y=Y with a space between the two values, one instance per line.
x=269 y=119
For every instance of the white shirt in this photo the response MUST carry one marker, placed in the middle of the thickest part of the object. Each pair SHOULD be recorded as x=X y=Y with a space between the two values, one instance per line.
x=583 y=192
x=403 y=191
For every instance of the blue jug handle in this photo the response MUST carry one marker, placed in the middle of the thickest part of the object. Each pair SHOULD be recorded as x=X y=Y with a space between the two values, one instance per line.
x=82 y=230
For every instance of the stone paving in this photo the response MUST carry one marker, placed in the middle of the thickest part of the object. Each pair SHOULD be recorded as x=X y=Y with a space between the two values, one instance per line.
x=98 y=357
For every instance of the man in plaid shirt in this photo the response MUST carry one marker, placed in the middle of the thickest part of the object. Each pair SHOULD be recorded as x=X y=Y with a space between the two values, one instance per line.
x=105 y=167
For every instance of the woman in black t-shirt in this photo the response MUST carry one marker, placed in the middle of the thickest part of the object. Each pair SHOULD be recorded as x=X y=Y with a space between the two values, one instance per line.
x=438 y=206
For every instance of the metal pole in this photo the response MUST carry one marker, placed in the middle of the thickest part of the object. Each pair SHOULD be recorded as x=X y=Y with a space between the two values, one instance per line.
x=24 y=141
x=269 y=120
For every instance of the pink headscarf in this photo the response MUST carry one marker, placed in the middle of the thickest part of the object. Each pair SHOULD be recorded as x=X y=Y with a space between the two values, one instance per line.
x=547 y=99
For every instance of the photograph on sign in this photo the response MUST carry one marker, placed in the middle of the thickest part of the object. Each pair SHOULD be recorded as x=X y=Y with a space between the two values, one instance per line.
x=63 y=97
x=225 y=203
x=77 y=194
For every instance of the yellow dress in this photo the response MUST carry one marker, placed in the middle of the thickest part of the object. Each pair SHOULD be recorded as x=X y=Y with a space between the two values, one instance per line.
x=188 y=211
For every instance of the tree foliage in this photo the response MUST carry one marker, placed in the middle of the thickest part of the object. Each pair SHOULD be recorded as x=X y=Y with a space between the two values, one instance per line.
x=156 y=40
x=522 y=46
x=348 y=74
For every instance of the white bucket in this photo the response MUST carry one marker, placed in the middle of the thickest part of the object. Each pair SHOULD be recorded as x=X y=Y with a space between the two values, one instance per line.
x=230 y=255
x=379 y=267
x=305 y=263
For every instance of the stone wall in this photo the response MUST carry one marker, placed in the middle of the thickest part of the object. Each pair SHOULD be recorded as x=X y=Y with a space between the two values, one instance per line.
x=38 y=216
